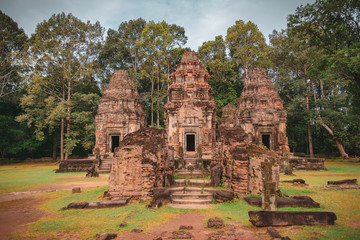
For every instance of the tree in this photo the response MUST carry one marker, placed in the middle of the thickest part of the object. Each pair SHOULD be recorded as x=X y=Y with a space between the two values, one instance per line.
x=332 y=28
x=63 y=52
x=290 y=54
x=158 y=41
x=246 y=44
x=121 y=48
x=224 y=79
x=12 y=40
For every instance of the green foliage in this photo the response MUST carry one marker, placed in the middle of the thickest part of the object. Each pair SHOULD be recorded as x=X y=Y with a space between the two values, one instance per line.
x=62 y=84
x=247 y=45
x=160 y=47
x=224 y=79
x=12 y=40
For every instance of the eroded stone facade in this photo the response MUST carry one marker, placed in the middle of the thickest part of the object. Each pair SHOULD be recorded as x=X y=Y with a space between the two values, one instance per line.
x=260 y=112
x=138 y=166
x=241 y=160
x=120 y=112
x=190 y=114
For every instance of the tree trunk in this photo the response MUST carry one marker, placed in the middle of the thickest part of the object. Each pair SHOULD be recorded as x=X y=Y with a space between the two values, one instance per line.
x=68 y=117
x=158 y=101
x=54 y=148
x=311 y=149
x=337 y=142
x=152 y=102
x=62 y=132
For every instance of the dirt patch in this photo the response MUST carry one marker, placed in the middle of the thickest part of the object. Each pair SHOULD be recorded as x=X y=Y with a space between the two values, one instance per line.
x=15 y=214
x=355 y=224
x=234 y=230
x=71 y=185
x=17 y=208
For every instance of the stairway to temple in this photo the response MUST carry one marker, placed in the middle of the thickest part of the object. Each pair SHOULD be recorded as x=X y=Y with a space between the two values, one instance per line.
x=190 y=197
x=106 y=163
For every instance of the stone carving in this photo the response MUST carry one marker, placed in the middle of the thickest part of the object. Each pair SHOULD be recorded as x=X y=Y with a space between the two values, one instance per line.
x=120 y=112
x=190 y=114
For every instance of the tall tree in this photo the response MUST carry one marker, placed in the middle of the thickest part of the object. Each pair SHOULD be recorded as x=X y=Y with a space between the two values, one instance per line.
x=332 y=28
x=63 y=53
x=157 y=43
x=246 y=44
x=121 y=48
x=12 y=40
x=290 y=54
x=224 y=79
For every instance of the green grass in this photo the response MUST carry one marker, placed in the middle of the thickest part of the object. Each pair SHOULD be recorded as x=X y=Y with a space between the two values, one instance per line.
x=90 y=222
x=87 y=223
x=24 y=177
x=335 y=171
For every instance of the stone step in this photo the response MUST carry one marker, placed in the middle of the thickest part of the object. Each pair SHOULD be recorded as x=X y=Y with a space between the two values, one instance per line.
x=191 y=201
x=177 y=196
x=192 y=174
x=190 y=206
x=193 y=182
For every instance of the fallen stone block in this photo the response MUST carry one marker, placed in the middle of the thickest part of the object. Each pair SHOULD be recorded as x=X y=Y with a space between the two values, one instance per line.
x=216 y=223
x=289 y=218
x=107 y=236
x=154 y=205
x=184 y=227
x=98 y=204
x=341 y=182
x=273 y=233
x=76 y=190
x=181 y=235
x=78 y=205
x=296 y=181
x=293 y=201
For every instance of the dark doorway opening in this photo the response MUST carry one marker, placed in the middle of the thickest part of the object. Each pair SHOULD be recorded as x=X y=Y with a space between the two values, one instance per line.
x=190 y=142
x=115 y=140
x=265 y=139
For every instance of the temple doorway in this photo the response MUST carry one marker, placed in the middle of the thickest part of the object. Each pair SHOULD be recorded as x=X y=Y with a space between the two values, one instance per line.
x=190 y=142
x=115 y=140
x=265 y=139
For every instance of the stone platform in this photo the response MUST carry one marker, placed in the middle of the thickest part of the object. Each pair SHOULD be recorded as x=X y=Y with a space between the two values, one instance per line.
x=75 y=165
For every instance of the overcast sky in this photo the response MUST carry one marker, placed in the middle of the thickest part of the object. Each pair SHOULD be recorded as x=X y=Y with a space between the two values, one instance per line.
x=202 y=19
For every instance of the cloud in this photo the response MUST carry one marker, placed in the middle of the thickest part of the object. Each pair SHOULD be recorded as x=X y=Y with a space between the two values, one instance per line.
x=202 y=19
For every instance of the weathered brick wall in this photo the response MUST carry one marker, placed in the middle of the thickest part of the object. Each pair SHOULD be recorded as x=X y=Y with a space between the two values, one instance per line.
x=120 y=111
x=241 y=161
x=138 y=165
x=75 y=165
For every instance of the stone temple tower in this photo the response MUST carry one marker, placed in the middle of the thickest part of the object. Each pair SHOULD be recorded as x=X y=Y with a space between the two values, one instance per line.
x=120 y=112
x=261 y=112
x=190 y=115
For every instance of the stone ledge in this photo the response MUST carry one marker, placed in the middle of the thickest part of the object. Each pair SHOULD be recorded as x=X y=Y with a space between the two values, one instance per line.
x=294 y=201
x=98 y=204
x=289 y=218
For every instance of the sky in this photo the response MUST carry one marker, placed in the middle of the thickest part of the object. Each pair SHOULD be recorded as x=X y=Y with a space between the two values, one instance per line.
x=202 y=20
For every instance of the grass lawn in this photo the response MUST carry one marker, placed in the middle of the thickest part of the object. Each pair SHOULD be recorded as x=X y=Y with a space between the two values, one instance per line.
x=87 y=223
x=24 y=177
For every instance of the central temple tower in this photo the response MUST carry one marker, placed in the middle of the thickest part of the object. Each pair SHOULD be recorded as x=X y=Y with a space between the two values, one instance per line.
x=190 y=115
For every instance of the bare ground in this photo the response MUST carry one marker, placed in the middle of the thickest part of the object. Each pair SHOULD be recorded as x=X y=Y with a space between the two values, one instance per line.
x=18 y=208
x=232 y=231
